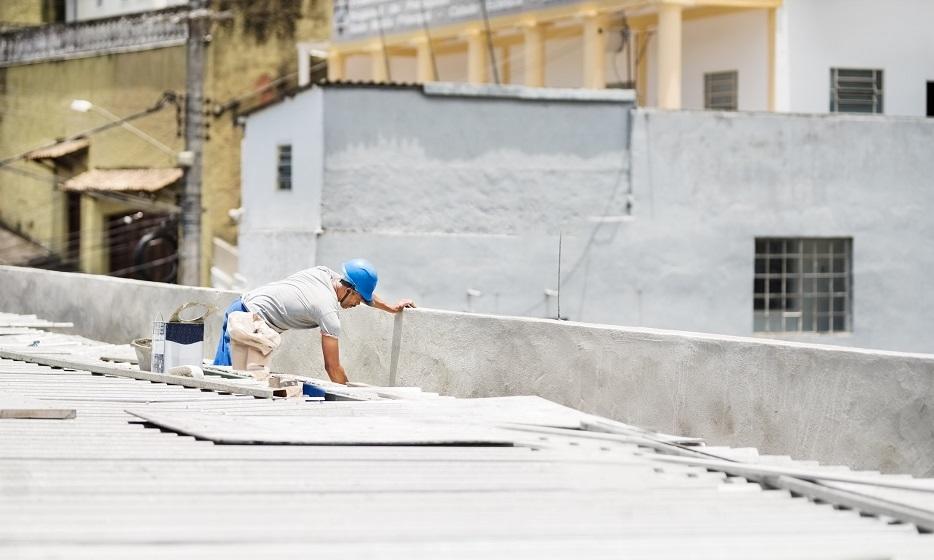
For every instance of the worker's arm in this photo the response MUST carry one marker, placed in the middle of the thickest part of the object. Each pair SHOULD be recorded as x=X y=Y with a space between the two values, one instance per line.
x=330 y=348
x=378 y=303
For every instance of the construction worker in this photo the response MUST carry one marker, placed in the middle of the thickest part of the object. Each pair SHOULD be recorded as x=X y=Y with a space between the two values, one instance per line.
x=311 y=299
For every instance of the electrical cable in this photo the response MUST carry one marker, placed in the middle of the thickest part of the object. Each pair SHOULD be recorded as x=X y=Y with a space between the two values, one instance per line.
x=221 y=108
x=431 y=49
x=382 y=41
x=167 y=97
x=489 y=40
x=114 y=239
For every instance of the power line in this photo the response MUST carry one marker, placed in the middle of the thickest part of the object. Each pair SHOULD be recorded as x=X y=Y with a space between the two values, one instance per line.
x=382 y=40
x=431 y=48
x=167 y=97
x=489 y=41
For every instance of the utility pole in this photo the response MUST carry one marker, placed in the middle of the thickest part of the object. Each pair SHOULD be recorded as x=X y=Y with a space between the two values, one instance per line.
x=190 y=246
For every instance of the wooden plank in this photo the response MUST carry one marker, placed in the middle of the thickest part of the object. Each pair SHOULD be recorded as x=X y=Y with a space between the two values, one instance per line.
x=14 y=406
x=321 y=431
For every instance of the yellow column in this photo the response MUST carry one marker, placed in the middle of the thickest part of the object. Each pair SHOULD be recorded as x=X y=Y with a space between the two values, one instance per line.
x=93 y=247
x=424 y=67
x=594 y=52
x=534 y=54
x=642 y=67
x=336 y=65
x=477 y=57
x=378 y=63
x=59 y=225
x=771 y=69
x=506 y=66
x=669 y=55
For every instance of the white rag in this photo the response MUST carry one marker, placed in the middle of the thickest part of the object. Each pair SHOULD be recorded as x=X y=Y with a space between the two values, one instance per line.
x=250 y=329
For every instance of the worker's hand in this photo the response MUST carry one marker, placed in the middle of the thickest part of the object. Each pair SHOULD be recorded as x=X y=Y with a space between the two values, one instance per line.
x=403 y=303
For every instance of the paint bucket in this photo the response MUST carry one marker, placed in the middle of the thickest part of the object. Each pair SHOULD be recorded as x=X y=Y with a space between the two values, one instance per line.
x=311 y=390
x=143 y=348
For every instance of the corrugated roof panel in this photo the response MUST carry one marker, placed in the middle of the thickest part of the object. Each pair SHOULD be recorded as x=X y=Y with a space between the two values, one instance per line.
x=105 y=485
x=140 y=179
x=59 y=150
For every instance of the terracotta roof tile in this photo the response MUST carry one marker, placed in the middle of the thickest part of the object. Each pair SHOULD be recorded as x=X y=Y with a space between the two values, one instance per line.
x=147 y=179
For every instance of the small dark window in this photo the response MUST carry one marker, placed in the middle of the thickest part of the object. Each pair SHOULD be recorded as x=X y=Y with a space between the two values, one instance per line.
x=855 y=91
x=803 y=285
x=930 y=112
x=318 y=70
x=720 y=90
x=284 y=166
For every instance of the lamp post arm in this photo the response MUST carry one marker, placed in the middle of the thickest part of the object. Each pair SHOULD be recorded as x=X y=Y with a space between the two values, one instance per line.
x=135 y=130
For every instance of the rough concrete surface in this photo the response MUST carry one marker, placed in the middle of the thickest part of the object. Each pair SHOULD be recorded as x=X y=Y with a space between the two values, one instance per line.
x=863 y=408
x=867 y=409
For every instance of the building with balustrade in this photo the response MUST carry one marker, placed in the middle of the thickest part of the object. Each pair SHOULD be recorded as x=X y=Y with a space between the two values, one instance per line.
x=93 y=200
x=754 y=55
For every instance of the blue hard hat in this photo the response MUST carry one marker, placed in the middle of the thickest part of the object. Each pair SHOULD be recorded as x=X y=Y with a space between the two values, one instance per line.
x=362 y=276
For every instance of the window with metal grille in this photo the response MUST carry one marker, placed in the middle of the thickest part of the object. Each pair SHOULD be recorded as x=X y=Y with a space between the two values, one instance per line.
x=803 y=285
x=720 y=90
x=284 y=166
x=855 y=91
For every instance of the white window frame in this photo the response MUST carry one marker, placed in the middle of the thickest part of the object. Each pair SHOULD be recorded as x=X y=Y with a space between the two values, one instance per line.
x=857 y=90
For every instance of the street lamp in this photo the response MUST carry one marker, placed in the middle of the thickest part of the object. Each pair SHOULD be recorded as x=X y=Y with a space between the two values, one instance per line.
x=183 y=158
x=189 y=251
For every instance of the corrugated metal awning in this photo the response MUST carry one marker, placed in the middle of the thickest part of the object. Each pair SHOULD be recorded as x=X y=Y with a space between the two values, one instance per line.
x=59 y=150
x=148 y=179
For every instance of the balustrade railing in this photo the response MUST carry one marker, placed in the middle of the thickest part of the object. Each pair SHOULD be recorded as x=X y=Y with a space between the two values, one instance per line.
x=126 y=33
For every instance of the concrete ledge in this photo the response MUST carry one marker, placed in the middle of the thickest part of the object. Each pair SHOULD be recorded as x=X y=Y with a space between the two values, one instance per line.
x=863 y=408
x=118 y=310
x=457 y=89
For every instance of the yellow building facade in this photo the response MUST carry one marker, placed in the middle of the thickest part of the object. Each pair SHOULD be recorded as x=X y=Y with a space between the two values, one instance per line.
x=249 y=56
x=519 y=38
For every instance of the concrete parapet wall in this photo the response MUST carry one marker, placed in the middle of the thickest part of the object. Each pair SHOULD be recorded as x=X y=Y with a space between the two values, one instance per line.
x=118 y=310
x=113 y=310
x=863 y=408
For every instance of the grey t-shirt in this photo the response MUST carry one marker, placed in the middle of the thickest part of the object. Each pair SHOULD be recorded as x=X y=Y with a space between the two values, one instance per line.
x=304 y=300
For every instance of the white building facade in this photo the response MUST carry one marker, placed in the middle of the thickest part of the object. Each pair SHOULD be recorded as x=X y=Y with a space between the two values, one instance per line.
x=811 y=228
x=810 y=56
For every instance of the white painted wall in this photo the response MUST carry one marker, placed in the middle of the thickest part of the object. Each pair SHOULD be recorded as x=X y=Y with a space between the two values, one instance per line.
x=473 y=194
x=732 y=42
x=894 y=36
x=715 y=44
x=812 y=37
x=83 y=10
x=278 y=223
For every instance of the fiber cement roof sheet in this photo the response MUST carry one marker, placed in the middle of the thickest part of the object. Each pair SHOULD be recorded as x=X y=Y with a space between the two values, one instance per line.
x=322 y=430
x=150 y=179
x=103 y=485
